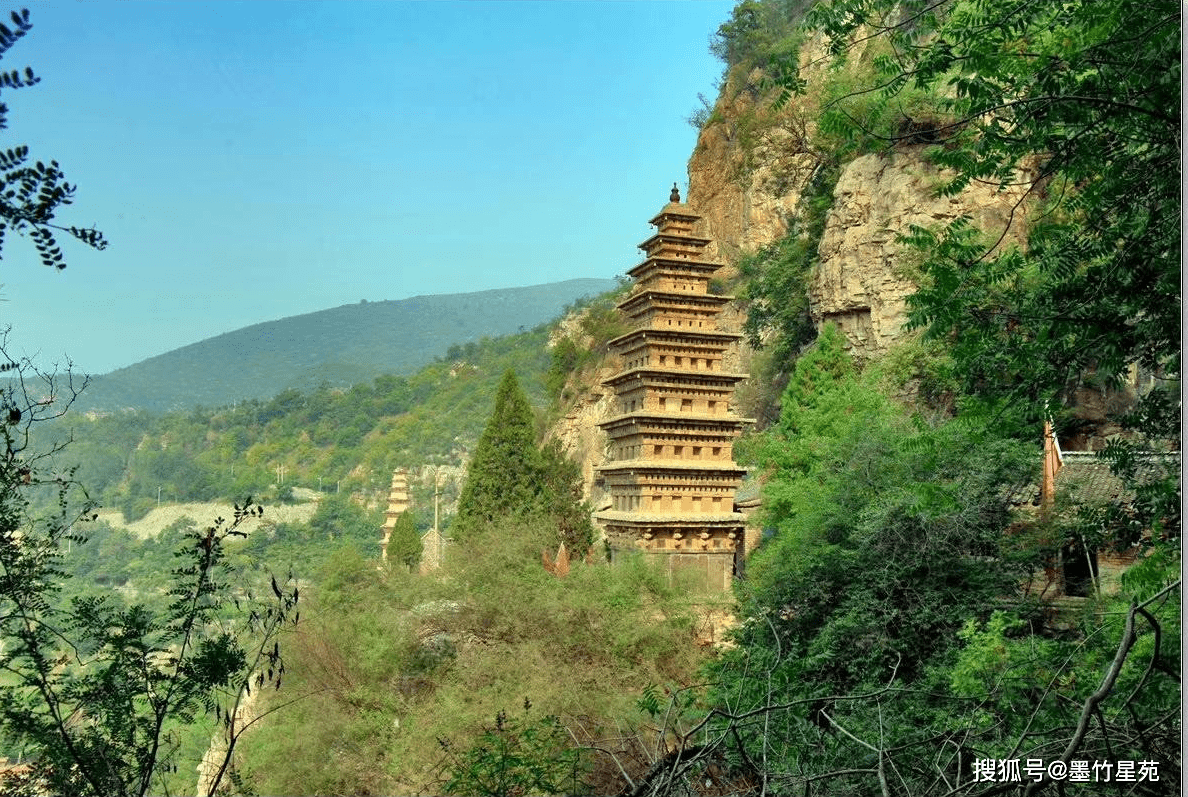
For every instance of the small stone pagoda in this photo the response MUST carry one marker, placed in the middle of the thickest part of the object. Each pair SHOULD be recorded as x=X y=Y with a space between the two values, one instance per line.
x=670 y=469
x=397 y=505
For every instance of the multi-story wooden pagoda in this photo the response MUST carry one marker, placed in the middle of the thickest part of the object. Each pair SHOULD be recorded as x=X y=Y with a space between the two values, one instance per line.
x=670 y=470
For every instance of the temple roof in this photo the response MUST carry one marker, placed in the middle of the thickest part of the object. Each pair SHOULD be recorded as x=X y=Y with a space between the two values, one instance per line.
x=677 y=209
x=661 y=372
x=640 y=518
x=685 y=335
x=675 y=296
x=680 y=417
x=675 y=237
x=684 y=467
x=657 y=262
x=1085 y=479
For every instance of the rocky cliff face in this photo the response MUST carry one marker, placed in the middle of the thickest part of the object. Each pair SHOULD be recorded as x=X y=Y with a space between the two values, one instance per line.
x=861 y=282
x=748 y=183
x=747 y=177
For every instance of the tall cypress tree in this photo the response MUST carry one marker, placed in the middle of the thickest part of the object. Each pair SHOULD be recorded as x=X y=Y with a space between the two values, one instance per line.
x=506 y=474
x=404 y=544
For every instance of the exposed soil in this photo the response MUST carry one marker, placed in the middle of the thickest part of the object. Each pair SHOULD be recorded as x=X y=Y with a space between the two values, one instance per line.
x=205 y=513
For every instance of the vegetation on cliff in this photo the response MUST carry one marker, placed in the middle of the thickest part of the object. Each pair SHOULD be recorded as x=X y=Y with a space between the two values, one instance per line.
x=886 y=645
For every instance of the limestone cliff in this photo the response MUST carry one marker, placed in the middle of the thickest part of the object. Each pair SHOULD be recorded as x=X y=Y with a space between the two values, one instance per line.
x=750 y=169
x=747 y=177
x=860 y=283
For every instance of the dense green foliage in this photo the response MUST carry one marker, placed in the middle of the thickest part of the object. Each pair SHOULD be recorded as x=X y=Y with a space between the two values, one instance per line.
x=887 y=535
x=760 y=34
x=395 y=664
x=505 y=477
x=885 y=643
x=509 y=477
x=98 y=692
x=339 y=517
x=516 y=756
x=404 y=546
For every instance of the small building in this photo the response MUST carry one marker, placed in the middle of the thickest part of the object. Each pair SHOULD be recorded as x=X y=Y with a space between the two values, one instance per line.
x=670 y=472
x=1077 y=479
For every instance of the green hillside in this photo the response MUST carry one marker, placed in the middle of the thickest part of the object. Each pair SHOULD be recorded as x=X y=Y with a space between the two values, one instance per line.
x=341 y=346
x=347 y=439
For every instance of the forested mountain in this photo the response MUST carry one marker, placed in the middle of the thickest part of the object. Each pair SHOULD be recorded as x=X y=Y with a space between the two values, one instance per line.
x=340 y=347
x=325 y=438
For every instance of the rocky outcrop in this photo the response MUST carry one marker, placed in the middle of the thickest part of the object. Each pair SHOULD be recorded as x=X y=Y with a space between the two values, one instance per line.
x=862 y=280
x=750 y=165
x=580 y=433
x=747 y=177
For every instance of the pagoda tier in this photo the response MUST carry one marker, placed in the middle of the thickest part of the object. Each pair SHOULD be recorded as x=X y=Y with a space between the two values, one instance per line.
x=696 y=491
x=703 y=393
x=670 y=473
x=680 y=311
x=674 y=276
x=642 y=438
x=663 y=348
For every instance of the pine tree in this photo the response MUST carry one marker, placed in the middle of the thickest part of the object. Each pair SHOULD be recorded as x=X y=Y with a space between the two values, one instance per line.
x=563 y=501
x=506 y=476
x=404 y=544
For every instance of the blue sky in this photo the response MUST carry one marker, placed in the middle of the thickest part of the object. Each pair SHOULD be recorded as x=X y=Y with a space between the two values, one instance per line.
x=250 y=161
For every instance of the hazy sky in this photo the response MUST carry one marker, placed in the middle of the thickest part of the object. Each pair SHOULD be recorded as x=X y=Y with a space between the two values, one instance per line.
x=257 y=160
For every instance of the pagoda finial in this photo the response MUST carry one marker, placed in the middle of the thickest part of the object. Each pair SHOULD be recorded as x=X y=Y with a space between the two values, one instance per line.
x=675 y=196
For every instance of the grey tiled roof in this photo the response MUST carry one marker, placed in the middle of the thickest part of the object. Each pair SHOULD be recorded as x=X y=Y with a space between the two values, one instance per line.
x=1085 y=479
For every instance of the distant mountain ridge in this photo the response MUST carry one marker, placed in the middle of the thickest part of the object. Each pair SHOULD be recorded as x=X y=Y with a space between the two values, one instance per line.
x=342 y=346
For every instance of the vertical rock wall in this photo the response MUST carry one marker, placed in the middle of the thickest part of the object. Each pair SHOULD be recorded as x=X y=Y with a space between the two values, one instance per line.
x=746 y=179
x=861 y=283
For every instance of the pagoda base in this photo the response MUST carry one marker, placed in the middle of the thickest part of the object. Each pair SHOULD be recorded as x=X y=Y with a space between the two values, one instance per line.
x=707 y=551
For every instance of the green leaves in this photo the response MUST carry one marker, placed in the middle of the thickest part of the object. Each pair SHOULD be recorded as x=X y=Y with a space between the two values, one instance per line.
x=509 y=477
x=93 y=688
x=505 y=475
x=515 y=756
x=885 y=530
x=404 y=546
x=216 y=662
x=31 y=196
